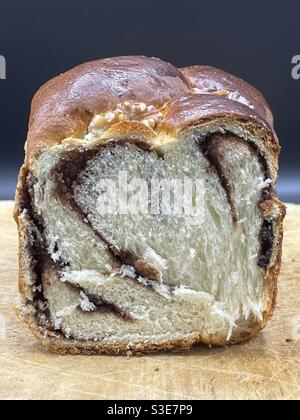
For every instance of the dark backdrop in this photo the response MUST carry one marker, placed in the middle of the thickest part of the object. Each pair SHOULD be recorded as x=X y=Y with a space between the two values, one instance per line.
x=255 y=40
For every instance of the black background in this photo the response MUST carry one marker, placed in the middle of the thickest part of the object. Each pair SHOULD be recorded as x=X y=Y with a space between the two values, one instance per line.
x=255 y=40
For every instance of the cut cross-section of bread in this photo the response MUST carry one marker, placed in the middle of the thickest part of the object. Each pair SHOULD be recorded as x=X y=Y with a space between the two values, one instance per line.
x=121 y=281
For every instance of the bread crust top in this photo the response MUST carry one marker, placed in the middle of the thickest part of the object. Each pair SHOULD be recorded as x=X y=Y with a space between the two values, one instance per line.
x=65 y=106
x=210 y=79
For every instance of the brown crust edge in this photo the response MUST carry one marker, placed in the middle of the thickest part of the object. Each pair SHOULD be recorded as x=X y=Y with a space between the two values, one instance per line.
x=62 y=346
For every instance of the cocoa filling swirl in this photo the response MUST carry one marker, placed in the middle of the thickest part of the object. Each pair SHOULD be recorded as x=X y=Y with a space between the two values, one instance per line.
x=73 y=162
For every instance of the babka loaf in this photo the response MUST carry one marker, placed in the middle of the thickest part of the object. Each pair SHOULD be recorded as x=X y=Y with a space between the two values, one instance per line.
x=103 y=269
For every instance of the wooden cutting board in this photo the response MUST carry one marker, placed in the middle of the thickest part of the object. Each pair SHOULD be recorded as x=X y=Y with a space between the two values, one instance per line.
x=266 y=368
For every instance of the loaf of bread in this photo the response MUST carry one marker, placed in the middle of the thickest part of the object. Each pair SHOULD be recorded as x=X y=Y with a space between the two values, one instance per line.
x=96 y=277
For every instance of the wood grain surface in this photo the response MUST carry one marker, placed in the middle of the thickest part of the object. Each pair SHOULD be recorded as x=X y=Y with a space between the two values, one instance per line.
x=266 y=368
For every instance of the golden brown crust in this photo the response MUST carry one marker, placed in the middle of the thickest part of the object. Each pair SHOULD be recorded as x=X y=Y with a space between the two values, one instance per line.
x=210 y=80
x=60 y=345
x=64 y=106
x=193 y=98
x=196 y=109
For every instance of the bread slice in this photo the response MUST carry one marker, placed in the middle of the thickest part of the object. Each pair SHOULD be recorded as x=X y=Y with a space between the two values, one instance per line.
x=98 y=277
